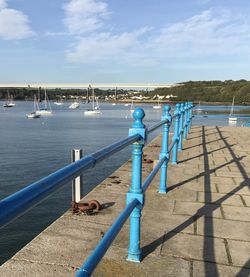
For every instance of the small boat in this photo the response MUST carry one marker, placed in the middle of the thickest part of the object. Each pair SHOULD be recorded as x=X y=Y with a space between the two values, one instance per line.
x=198 y=109
x=10 y=102
x=47 y=108
x=126 y=105
x=34 y=114
x=158 y=106
x=58 y=103
x=232 y=118
x=95 y=107
x=74 y=105
x=113 y=104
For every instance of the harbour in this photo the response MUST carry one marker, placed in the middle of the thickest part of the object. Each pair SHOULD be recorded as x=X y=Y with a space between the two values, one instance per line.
x=62 y=197
x=189 y=217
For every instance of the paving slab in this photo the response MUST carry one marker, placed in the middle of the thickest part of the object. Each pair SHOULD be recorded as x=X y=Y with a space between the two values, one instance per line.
x=239 y=252
x=224 y=229
x=234 y=189
x=201 y=269
x=241 y=213
x=197 y=209
x=233 y=200
x=192 y=247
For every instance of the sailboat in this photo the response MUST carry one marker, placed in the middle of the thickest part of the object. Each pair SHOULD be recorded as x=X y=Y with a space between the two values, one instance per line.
x=231 y=117
x=34 y=114
x=158 y=106
x=47 y=108
x=95 y=107
x=198 y=109
x=10 y=103
x=132 y=109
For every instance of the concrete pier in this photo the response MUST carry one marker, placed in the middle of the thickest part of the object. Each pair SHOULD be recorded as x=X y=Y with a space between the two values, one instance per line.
x=201 y=227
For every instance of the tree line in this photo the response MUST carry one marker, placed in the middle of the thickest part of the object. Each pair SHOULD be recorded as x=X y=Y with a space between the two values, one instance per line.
x=209 y=91
x=203 y=91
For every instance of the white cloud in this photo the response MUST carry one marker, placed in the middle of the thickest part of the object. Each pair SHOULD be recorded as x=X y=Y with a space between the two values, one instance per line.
x=205 y=34
x=13 y=23
x=82 y=16
x=105 y=47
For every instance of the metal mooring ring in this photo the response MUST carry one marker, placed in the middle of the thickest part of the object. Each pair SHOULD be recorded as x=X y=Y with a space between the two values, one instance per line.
x=95 y=205
x=86 y=207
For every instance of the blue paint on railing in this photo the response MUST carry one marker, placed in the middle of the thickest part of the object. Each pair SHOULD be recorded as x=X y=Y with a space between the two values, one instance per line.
x=176 y=134
x=18 y=203
x=164 y=148
x=186 y=113
x=135 y=191
x=181 y=124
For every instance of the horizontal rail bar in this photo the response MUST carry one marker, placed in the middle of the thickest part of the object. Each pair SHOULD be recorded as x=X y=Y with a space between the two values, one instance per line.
x=115 y=147
x=21 y=201
x=152 y=174
x=171 y=146
x=100 y=250
x=157 y=125
x=221 y=116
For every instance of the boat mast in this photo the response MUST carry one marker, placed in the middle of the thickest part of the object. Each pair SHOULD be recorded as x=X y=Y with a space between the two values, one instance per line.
x=232 y=108
x=93 y=99
x=45 y=100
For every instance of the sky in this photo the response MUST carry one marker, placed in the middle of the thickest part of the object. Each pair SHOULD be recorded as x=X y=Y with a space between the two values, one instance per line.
x=124 y=41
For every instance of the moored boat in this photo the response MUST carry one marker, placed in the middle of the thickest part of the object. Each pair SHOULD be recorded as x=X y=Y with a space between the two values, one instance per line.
x=47 y=108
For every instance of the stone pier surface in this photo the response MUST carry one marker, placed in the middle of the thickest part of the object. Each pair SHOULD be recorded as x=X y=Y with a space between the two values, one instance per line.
x=201 y=227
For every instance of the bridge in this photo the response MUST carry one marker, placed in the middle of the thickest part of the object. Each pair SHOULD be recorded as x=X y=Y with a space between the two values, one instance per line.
x=86 y=85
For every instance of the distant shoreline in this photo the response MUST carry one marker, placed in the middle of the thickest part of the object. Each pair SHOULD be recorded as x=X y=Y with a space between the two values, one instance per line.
x=150 y=101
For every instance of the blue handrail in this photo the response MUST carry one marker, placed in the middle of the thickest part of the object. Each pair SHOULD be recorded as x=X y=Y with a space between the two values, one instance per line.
x=20 y=202
x=135 y=194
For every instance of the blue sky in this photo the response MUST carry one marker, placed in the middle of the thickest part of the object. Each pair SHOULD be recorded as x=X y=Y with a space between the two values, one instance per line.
x=91 y=41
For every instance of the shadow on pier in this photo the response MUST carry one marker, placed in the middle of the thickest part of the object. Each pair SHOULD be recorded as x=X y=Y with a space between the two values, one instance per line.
x=207 y=210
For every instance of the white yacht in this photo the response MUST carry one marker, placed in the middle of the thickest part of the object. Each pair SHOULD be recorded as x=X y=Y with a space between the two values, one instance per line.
x=34 y=114
x=10 y=102
x=95 y=106
x=47 y=108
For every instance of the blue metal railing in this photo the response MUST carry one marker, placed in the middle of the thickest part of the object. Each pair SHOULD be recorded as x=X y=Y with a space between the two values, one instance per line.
x=20 y=202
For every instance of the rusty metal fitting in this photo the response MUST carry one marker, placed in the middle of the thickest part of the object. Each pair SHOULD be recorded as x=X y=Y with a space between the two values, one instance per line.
x=90 y=206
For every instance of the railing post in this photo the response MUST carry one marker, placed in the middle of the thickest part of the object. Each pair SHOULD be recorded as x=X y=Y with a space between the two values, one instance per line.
x=135 y=191
x=181 y=126
x=77 y=185
x=176 y=135
x=190 y=115
x=186 y=108
x=164 y=148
